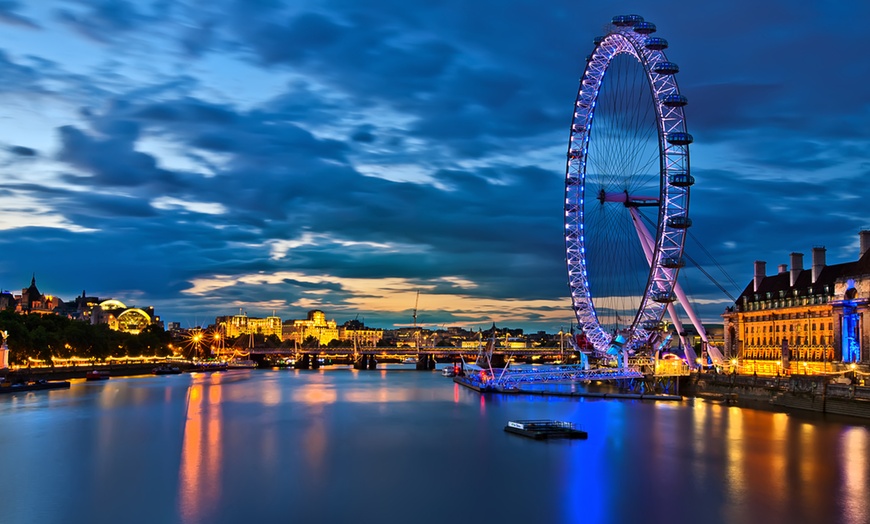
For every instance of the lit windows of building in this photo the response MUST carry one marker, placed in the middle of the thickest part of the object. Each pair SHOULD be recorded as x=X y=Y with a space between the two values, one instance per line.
x=119 y=317
x=32 y=301
x=316 y=326
x=363 y=336
x=237 y=325
x=802 y=320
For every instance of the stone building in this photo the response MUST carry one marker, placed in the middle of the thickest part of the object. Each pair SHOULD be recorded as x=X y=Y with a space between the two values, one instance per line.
x=362 y=335
x=315 y=326
x=32 y=301
x=242 y=324
x=802 y=320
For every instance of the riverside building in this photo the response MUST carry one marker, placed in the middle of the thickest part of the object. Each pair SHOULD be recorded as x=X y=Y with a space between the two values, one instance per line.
x=242 y=324
x=802 y=320
x=315 y=326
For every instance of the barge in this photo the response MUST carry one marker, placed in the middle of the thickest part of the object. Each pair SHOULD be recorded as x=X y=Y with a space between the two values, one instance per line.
x=33 y=386
x=545 y=429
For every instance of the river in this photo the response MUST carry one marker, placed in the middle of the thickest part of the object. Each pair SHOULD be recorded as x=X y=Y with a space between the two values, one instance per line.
x=401 y=446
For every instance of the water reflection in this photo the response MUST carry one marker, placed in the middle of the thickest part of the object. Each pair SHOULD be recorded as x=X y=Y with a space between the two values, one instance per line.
x=271 y=447
x=315 y=394
x=854 y=458
x=735 y=464
x=201 y=450
x=271 y=393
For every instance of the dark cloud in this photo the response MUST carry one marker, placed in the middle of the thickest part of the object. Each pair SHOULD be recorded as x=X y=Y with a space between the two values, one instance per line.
x=103 y=20
x=22 y=151
x=113 y=162
x=364 y=134
x=10 y=14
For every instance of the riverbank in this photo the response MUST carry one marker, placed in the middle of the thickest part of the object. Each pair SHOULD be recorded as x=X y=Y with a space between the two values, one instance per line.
x=70 y=372
x=813 y=393
x=805 y=393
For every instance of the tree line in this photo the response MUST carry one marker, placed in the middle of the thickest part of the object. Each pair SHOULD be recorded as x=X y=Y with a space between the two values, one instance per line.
x=42 y=337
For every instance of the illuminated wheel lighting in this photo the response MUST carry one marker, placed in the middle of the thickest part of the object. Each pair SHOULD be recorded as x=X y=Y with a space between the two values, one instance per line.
x=628 y=156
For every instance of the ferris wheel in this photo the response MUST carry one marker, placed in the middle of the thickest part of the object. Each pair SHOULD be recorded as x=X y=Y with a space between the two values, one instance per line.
x=627 y=189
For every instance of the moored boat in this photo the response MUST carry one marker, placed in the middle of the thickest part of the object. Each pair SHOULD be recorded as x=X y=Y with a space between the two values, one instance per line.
x=166 y=369
x=237 y=363
x=96 y=374
x=211 y=365
x=6 y=387
x=545 y=429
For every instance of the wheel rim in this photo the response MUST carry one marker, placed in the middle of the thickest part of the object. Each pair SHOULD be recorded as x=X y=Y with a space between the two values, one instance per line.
x=628 y=154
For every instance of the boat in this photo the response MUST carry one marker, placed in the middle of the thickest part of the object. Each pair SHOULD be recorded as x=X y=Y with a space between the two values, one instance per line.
x=210 y=365
x=238 y=363
x=8 y=387
x=166 y=369
x=449 y=371
x=96 y=374
x=409 y=360
x=272 y=362
x=240 y=358
x=545 y=429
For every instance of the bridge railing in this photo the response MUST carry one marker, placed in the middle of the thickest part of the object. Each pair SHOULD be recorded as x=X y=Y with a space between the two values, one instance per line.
x=405 y=351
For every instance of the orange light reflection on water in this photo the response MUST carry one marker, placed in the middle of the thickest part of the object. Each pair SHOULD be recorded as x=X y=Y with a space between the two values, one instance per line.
x=201 y=450
x=315 y=394
x=315 y=440
x=854 y=455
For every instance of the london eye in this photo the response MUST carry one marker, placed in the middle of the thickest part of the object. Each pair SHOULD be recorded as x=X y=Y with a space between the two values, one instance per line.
x=627 y=189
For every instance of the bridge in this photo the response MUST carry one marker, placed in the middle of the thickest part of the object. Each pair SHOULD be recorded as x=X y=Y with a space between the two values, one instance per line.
x=643 y=374
x=404 y=352
x=367 y=357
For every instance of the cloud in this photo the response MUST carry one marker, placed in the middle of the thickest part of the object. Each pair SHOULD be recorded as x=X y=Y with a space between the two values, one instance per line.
x=395 y=147
x=22 y=151
x=9 y=14
x=102 y=21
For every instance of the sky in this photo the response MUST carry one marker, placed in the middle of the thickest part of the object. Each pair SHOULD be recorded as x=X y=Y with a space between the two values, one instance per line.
x=212 y=157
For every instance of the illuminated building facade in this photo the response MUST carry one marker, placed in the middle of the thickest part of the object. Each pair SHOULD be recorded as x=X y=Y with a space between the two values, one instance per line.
x=115 y=313
x=32 y=301
x=315 y=326
x=802 y=320
x=119 y=317
x=362 y=335
x=242 y=324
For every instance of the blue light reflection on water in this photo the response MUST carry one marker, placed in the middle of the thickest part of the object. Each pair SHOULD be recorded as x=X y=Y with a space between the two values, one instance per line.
x=391 y=446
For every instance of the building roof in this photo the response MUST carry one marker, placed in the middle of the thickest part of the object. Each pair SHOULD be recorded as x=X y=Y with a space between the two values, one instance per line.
x=803 y=284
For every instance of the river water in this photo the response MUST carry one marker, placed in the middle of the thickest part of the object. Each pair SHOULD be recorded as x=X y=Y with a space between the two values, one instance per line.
x=396 y=446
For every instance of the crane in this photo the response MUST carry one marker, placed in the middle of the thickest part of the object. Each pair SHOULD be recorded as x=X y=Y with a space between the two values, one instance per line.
x=416 y=302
